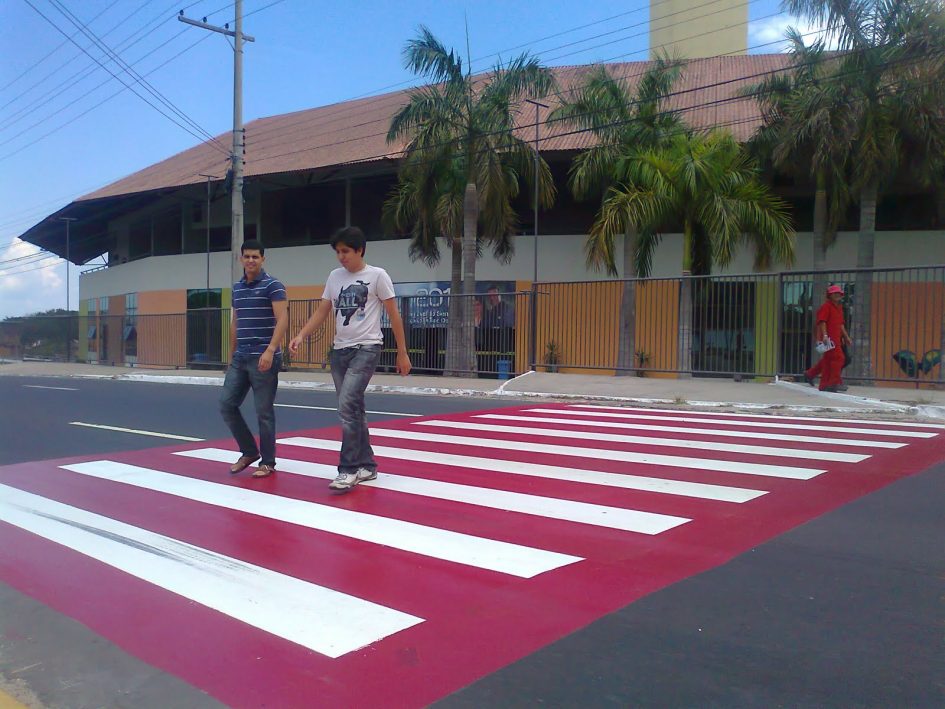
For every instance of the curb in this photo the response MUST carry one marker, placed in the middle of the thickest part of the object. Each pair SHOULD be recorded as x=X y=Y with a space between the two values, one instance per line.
x=867 y=405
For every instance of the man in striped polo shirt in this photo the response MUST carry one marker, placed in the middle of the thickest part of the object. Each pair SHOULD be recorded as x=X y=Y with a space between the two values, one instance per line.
x=258 y=323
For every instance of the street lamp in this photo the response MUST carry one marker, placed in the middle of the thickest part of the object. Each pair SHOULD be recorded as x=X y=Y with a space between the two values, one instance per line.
x=67 y=220
x=207 y=219
x=537 y=105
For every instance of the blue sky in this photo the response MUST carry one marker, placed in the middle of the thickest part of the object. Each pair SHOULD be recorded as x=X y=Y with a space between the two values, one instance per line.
x=67 y=127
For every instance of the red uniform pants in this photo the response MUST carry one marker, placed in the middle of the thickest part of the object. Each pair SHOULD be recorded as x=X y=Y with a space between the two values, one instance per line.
x=828 y=368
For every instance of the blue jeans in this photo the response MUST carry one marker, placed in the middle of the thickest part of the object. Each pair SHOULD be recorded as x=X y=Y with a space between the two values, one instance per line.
x=352 y=369
x=242 y=375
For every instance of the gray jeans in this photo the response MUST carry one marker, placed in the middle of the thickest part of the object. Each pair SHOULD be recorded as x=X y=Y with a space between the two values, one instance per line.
x=242 y=375
x=352 y=369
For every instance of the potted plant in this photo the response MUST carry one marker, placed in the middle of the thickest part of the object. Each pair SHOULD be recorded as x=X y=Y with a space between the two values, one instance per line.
x=552 y=356
x=642 y=359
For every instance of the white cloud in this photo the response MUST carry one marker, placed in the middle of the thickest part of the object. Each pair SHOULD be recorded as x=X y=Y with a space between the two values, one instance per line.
x=768 y=35
x=33 y=283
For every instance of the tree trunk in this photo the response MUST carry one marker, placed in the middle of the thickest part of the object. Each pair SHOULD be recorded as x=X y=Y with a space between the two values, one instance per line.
x=863 y=293
x=820 y=257
x=626 y=349
x=684 y=363
x=454 y=332
x=470 y=227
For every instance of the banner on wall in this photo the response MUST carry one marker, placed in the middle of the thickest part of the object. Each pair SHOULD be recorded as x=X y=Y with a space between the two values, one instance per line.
x=429 y=303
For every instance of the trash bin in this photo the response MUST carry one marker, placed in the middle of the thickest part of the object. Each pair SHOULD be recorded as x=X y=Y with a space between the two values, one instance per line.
x=504 y=368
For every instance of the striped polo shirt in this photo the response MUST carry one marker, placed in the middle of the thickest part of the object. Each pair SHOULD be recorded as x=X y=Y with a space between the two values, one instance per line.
x=255 y=319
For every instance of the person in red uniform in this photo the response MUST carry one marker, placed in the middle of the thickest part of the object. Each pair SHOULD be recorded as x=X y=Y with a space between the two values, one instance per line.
x=831 y=330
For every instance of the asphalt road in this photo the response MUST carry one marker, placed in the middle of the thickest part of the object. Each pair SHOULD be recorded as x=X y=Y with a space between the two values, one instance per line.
x=846 y=610
x=36 y=422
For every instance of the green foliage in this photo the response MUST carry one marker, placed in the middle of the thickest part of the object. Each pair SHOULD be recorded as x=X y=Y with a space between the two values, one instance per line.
x=708 y=183
x=459 y=131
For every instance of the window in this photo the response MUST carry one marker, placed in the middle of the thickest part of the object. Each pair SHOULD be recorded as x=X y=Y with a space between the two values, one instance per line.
x=198 y=298
x=129 y=333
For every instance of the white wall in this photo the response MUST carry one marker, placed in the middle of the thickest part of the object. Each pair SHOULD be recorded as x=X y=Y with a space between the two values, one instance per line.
x=560 y=258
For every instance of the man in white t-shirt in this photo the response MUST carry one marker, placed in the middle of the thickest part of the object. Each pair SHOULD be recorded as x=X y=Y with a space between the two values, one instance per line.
x=356 y=292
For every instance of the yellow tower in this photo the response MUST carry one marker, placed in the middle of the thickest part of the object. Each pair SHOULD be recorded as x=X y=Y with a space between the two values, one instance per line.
x=707 y=30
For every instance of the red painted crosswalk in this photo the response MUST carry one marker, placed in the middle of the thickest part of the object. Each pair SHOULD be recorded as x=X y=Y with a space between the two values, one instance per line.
x=486 y=536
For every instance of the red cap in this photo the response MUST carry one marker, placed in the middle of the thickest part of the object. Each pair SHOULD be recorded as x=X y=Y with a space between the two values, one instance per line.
x=834 y=289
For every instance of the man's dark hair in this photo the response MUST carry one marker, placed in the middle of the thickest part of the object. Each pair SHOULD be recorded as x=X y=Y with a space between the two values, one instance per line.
x=492 y=286
x=253 y=245
x=351 y=237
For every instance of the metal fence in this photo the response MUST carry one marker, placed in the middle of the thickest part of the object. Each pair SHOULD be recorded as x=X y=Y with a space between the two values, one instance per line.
x=757 y=325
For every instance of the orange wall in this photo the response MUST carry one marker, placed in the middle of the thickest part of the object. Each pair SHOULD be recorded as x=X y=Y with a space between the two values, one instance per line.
x=160 y=302
x=906 y=316
x=583 y=321
x=657 y=325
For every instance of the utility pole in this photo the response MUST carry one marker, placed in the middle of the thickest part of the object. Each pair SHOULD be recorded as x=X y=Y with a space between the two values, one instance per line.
x=236 y=156
x=537 y=104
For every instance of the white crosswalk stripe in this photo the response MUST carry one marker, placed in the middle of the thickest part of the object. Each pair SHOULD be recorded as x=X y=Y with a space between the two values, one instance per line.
x=467 y=549
x=318 y=618
x=745 y=414
x=626 y=481
x=774 y=422
x=700 y=463
x=714 y=432
x=652 y=441
x=550 y=507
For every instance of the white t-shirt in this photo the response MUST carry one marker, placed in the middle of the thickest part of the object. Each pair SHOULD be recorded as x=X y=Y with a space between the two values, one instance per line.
x=357 y=301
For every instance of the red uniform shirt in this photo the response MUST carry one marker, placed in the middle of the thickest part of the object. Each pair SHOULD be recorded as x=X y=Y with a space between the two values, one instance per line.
x=832 y=314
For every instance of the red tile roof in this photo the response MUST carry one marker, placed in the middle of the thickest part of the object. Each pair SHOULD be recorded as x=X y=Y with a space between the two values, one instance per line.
x=355 y=131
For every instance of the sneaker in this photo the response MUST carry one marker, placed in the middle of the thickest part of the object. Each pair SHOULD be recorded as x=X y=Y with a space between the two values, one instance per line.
x=344 y=481
x=364 y=474
x=842 y=387
x=809 y=380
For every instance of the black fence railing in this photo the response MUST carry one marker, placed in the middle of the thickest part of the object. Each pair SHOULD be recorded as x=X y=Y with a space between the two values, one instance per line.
x=757 y=325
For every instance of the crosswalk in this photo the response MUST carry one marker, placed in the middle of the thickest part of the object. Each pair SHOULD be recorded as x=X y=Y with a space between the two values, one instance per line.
x=499 y=529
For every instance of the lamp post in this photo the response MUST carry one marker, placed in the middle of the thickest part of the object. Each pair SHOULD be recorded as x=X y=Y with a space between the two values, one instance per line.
x=207 y=219
x=68 y=221
x=206 y=293
x=534 y=304
x=537 y=105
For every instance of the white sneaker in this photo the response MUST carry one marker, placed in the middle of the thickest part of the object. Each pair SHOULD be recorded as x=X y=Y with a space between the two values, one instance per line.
x=364 y=475
x=344 y=481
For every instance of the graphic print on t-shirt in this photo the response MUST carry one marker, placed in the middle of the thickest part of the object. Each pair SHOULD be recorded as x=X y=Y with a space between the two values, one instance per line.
x=351 y=299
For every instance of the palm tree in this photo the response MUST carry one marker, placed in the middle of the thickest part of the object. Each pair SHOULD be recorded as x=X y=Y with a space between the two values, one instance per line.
x=707 y=184
x=889 y=85
x=803 y=133
x=622 y=119
x=461 y=150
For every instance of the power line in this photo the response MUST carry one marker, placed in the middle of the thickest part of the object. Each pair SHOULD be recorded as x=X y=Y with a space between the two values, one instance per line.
x=128 y=86
x=104 y=101
x=128 y=68
x=52 y=51
x=66 y=63
x=684 y=127
x=344 y=116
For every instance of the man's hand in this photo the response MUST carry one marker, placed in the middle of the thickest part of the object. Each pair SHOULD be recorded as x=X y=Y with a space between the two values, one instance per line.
x=265 y=361
x=295 y=344
x=403 y=364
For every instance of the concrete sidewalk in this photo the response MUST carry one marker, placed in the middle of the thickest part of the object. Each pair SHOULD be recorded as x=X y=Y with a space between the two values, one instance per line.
x=651 y=391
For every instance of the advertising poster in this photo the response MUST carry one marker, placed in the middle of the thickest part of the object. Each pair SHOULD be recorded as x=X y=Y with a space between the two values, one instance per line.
x=429 y=303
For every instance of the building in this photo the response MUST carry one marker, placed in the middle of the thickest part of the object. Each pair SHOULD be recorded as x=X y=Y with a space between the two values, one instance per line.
x=683 y=29
x=166 y=228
